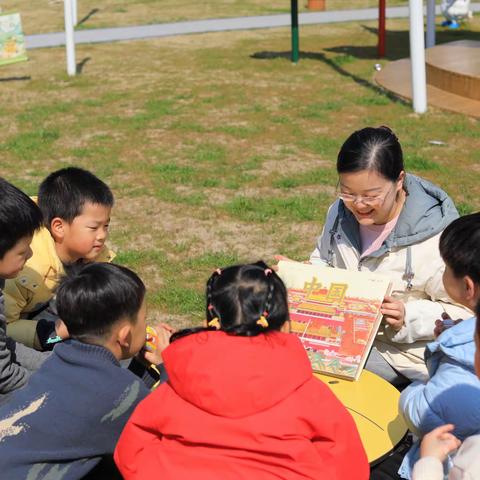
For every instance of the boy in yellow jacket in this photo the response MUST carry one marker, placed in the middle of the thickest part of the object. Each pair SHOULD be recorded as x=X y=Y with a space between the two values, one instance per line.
x=76 y=207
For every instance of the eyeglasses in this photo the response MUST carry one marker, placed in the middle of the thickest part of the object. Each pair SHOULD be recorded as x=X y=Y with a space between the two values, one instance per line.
x=365 y=199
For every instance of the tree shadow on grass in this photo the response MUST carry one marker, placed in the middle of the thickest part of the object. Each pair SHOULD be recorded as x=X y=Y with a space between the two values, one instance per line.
x=398 y=43
x=268 y=55
x=16 y=79
x=88 y=15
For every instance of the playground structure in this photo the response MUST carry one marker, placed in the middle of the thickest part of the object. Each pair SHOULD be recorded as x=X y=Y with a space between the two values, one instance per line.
x=456 y=73
x=452 y=75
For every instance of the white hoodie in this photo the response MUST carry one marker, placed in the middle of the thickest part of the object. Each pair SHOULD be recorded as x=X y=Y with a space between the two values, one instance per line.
x=411 y=258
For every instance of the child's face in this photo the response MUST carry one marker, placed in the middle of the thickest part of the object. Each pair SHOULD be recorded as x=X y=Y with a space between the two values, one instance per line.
x=86 y=235
x=454 y=286
x=14 y=259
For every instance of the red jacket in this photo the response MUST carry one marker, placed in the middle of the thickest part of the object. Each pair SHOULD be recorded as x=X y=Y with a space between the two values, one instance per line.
x=239 y=408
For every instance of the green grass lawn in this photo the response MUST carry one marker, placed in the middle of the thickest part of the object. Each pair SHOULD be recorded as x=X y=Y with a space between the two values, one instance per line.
x=218 y=149
x=47 y=16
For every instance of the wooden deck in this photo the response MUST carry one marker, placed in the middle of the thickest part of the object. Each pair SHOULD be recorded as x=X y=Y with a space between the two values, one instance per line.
x=453 y=77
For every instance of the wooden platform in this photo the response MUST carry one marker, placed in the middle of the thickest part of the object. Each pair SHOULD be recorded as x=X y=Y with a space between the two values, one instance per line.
x=453 y=77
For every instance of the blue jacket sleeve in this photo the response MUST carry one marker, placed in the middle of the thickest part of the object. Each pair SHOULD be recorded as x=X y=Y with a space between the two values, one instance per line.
x=450 y=396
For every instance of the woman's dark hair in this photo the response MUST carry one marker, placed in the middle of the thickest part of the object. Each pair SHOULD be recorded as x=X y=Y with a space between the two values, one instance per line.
x=64 y=193
x=460 y=246
x=19 y=216
x=374 y=149
x=239 y=296
x=93 y=297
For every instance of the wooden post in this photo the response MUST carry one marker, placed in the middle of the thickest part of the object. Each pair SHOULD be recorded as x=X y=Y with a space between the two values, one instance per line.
x=381 y=28
x=295 y=47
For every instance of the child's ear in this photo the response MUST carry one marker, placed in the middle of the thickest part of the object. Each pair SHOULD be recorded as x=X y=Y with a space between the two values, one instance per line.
x=124 y=335
x=57 y=227
x=472 y=290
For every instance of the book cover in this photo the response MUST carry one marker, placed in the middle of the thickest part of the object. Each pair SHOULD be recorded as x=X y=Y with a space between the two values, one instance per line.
x=12 y=41
x=336 y=314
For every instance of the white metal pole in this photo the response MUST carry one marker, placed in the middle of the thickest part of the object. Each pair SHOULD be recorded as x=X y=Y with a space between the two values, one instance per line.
x=75 y=13
x=430 y=23
x=417 y=56
x=69 y=38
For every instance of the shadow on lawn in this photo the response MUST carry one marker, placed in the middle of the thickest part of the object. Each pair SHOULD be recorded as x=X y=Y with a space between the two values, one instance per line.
x=266 y=55
x=81 y=64
x=88 y=15
x=15 y=79
x=398 y=43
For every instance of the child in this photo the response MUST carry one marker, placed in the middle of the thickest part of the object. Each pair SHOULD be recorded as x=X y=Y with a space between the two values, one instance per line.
x=76 y=208
x=241 y=400
x=452 y=392
x=73 y=409
x=455 y=11
x=437 y=444
x=19 y=219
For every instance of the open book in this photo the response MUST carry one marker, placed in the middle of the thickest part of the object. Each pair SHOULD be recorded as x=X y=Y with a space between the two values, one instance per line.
x=336 y=314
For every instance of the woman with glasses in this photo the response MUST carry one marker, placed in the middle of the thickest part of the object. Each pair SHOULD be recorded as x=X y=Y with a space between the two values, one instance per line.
x=389 y=222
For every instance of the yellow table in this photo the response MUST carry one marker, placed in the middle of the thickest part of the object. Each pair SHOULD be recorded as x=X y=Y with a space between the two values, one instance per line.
x=373 y=404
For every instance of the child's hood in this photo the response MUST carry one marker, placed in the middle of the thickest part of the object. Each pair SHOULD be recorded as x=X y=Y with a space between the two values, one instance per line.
x=234 y=376
x=457 y=343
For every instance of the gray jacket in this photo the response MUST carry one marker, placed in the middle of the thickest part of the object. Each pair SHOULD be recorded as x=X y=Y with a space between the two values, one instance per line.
x=409 y=256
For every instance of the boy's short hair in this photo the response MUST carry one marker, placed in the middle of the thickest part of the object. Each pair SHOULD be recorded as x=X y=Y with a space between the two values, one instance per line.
x=19 y=216
x=460 y=246
x=64 y=193
x=93 y=297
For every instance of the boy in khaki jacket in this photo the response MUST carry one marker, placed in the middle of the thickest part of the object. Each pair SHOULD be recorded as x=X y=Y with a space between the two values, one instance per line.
x=76 y=207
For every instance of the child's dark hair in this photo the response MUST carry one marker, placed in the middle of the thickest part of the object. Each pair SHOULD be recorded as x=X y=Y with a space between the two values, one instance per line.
x=64 y=193
x=19 y=216
x=93 y=297
x=376 y=149
x=244 y=300
x=460 y=246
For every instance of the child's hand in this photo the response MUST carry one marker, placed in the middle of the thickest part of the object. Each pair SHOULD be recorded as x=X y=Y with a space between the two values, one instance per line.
x=443 y=324
x=393 y=312
x=439 y=443
x=157 y=341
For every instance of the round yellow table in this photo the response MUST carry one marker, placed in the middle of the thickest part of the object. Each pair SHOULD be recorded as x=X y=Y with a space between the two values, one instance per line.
x=373 y=404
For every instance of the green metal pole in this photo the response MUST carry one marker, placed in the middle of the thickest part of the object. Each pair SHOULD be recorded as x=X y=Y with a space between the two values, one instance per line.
x=295 y=50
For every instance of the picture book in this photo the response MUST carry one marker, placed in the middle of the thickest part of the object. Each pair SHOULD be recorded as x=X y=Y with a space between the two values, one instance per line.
x=12 y=41
x=336 y=314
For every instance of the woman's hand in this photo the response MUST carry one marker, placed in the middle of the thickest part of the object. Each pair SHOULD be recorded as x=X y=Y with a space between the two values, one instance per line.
x=279 y=258
x=439 y=443
x=393 y=312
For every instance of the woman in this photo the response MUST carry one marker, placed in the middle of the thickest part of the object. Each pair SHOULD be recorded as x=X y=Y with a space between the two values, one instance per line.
x=389 y=222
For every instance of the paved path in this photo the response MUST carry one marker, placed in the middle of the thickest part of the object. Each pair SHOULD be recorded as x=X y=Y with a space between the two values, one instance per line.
x=101 y=35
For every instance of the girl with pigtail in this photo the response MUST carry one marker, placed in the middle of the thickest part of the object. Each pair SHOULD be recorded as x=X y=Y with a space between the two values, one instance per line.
x=241 y=400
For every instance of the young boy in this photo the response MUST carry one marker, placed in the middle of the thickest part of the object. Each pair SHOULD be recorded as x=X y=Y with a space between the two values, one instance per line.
x=74 y=408
x=437 y=444
x=76 y=208
x=452 y=392
x=20 y=217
